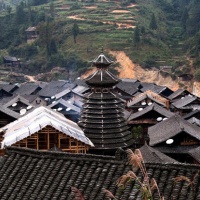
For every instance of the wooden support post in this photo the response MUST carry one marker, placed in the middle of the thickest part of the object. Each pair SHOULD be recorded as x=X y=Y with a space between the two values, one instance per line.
x=48 y=140
x=26 y=143
x=37 y=143
x=58 y=140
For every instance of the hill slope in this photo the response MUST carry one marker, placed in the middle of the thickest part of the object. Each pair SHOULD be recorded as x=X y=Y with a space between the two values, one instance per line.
x=151 y=33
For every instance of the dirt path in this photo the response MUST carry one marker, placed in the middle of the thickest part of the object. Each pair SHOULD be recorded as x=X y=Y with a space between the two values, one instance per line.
x=121 y=25
x=30 y=78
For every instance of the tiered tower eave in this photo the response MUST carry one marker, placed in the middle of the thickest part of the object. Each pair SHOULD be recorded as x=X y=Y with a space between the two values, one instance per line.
x=102 y=117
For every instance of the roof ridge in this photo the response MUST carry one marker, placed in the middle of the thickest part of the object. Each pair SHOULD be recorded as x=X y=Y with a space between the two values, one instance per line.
x=60 y=155
x=91 y=157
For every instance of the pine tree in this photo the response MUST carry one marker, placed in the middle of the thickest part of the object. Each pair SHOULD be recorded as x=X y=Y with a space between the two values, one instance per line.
x=75 y=31
x=184 y=18
x=136 y=37
x=153 y=24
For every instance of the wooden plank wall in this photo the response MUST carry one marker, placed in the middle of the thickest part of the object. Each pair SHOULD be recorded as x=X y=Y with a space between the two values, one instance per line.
x=49 y=137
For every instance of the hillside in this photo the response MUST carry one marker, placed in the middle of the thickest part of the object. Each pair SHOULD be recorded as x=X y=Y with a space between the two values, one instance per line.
x=150 y=33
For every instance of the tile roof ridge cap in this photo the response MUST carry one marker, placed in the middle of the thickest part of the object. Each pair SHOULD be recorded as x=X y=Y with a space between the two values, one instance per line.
x=60 y=155
x=178 y=119
x=175 y=165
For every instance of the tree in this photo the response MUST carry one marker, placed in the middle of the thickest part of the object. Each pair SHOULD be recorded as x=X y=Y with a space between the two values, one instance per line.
x=20 y=14
x=197 y=75
x=9 y=9
x=51 y=47
x=136 y=37
x=52 y=10
x=184 y=18
x=75 y=31
x=153 y=24
x=46 y=37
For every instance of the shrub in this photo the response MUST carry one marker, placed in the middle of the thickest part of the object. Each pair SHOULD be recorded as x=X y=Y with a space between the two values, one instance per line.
x=197 y=75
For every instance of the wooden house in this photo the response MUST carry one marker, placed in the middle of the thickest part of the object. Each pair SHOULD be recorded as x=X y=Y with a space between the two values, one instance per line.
x=79 y=91
x=4 y=93
x=32 y=34
x=10 y=88
x=35 y=100
x=185 y=105
x=161 y=90
x=28 y=88
x=195 y=113
x=145 y=99
x=152 y=155
x=185 y=77
x=55 y=90
x=30 y=174
x=145 y=118
x=67 y=108
x=7 y=116
x=10 y=61
x=126 y=88
x=43 y=128
x=175 y=137
x=17 y=104
x=193 y=117
x=178 y=94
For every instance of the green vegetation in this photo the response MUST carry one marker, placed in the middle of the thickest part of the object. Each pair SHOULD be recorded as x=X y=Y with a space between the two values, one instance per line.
x=165 y=31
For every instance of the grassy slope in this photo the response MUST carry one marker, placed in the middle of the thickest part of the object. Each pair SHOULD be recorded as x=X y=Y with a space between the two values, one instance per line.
x=94 y=35
x=98 y=28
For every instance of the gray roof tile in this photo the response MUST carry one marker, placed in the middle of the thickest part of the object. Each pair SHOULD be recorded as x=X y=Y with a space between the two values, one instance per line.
x=29 y=174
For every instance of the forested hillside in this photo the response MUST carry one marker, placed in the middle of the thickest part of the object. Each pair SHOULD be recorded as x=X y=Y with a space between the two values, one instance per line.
x=152 y=33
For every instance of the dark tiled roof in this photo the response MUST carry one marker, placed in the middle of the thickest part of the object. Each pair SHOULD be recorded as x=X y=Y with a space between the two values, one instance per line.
x=102 y=78
x=127 y=87
x=170 y=128
x=4 y=93
x=177 y=93
x=195 y=153
x=152 y=155
x=9 y=112
x=28 y=89
x=54 y=88
x=31 y=98
x=192 y=114
x=16 y=98
x=29 y=174
x=32 y=28
x=185 y=101
x=64 y=105
x=10 y=58
x=153 y=87
x=9 y=87
x=175 y=149
x=80 y=90
x=130 y=80
x=194 y=120
x=149 y=95
x=80 y=82
x=162 y=111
